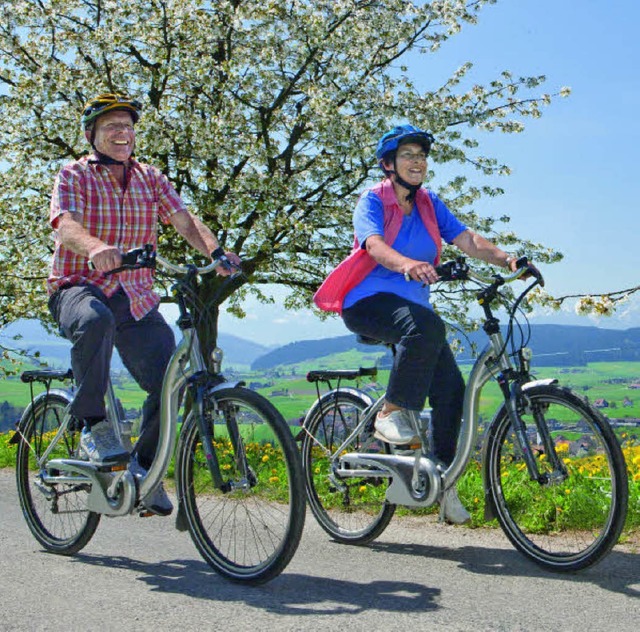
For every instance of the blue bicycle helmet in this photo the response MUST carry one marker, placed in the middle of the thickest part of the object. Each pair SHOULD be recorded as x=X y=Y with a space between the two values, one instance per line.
x=403 y=134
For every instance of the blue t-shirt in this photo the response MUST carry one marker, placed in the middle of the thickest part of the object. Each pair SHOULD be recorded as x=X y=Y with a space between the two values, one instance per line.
x=413 y=241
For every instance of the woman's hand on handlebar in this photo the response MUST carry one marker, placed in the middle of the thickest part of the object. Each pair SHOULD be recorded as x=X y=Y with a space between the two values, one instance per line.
x=421 y=271
x=531 y=270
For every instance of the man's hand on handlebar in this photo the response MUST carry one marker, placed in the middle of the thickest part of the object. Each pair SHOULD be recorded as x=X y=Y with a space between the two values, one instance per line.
x=105 y=258
x=230 y=262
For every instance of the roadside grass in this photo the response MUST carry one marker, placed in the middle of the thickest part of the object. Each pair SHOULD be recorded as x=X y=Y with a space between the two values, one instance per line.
x=571 y=506
x=293 y=396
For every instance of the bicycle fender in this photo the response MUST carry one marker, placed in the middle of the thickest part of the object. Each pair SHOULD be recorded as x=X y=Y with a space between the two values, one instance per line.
x=546 y=382
x=27 y=411
x=327 y=397
x=222 y=385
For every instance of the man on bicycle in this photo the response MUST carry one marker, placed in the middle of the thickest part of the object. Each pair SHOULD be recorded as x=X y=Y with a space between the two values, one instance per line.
x=103 y=205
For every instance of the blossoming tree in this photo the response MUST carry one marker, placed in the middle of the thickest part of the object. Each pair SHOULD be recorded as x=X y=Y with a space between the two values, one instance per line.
x=264 y=114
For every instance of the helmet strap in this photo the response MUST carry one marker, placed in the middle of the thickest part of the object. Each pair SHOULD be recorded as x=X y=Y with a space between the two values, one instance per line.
x=412 y=188
x=103 y=159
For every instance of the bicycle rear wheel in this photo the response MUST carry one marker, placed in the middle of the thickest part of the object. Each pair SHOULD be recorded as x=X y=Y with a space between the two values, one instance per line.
x=355 y=510
x=573 y=520
x=56 y=514
x=250 y=532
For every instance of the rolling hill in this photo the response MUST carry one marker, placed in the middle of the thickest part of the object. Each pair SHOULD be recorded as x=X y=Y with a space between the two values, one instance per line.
x=553 y=345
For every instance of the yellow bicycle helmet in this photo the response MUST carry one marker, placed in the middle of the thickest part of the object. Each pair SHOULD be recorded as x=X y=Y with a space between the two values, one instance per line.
x=107 y=103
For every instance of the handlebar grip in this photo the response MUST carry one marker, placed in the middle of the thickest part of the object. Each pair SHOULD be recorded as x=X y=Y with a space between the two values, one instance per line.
x=455 y=270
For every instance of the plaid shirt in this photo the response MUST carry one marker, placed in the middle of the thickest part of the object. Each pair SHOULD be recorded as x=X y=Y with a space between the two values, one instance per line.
x=124 y=219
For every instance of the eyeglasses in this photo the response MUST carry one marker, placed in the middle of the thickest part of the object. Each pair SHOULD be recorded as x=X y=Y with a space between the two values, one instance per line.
x=411 y=157
x=117 y=127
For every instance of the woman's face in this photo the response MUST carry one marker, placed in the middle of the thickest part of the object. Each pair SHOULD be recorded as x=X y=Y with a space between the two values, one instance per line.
x=411 y=163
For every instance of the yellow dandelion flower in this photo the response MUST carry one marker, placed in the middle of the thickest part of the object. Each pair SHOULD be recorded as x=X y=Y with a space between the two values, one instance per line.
x=265 y=458
x=274 y=479
x=567 y=491
x=362 y=489
x=226 y=466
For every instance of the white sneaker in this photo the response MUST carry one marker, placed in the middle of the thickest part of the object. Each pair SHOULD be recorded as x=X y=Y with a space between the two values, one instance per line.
x=396 y=428
x=451 y=509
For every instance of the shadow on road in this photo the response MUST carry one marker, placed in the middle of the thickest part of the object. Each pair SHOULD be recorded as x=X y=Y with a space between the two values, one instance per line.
x=289 y=594
x=619 y=572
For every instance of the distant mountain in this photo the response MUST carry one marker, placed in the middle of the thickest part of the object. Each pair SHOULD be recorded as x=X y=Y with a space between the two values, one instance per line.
x=308 y=349
x=552 y=345
x=54 y=349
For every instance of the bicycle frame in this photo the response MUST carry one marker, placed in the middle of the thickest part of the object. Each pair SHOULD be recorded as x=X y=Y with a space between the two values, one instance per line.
x=184 y=365
x=493 y=362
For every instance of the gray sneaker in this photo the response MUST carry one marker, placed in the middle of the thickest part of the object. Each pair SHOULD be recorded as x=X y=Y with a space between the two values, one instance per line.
x=451 y=508
x=396 y=428
x=101 y=445
x=158 y=502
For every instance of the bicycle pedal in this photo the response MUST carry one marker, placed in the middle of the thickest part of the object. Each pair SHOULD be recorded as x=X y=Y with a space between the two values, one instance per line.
x=145 y=513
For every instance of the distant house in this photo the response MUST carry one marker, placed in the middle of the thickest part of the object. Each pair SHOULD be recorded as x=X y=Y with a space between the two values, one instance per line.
x=583 y=446
x=626 y=402
x=601 y=403
x=635 y=386
x=256 y=385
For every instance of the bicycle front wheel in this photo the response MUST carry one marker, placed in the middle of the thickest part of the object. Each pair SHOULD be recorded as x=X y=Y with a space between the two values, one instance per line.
x=572 y=520
x=249 y=530
x=351 y=510
x=57 y=513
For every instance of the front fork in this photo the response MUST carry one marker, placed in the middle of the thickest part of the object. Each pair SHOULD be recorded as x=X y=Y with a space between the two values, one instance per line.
x=199 y=386
x=517 y=404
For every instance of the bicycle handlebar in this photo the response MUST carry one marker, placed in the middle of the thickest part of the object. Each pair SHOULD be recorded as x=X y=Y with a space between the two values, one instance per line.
x=146 y=257
x=459 y=270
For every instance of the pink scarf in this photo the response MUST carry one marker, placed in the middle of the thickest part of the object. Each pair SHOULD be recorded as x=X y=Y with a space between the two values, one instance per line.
x=359 y=263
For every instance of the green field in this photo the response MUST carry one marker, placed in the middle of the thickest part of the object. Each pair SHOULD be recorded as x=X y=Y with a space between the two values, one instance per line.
x=289 y=391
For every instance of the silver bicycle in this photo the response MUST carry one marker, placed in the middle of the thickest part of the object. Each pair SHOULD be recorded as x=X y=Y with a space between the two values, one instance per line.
x=554 y=473
x=238 y=475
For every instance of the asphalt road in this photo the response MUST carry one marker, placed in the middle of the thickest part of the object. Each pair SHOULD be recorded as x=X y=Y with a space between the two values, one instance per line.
x=142 y=574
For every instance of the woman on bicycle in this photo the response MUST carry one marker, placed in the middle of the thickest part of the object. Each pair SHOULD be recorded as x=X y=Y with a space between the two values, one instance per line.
x=382 y=292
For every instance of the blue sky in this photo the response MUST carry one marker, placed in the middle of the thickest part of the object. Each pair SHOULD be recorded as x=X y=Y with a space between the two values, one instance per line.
x=574 y=184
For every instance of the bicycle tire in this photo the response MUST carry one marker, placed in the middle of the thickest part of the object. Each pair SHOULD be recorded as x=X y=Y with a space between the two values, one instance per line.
x=250 y=535
x=56 y=514
x=359 y=512
x=570 y=525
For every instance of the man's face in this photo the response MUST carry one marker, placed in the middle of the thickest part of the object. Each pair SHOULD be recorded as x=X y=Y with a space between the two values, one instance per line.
x=114 y=135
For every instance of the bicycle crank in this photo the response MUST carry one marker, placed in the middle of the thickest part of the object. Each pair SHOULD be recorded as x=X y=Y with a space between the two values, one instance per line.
x=410 y=485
